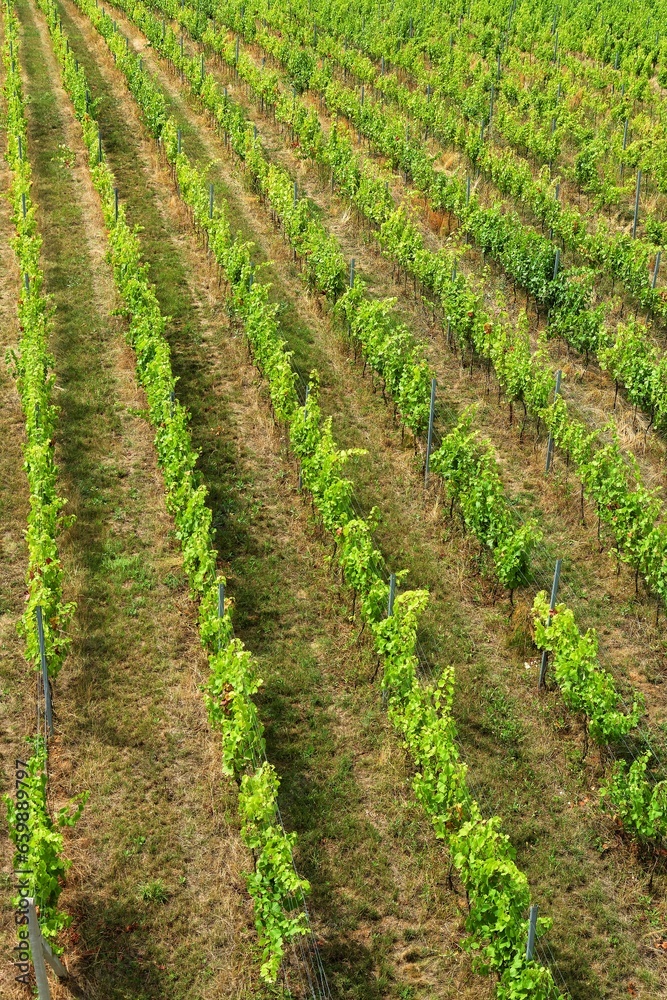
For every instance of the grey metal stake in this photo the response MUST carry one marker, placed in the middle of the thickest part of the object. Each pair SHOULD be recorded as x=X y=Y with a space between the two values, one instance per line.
x=392 y=594
x=115 y=204
x=210 y=201
x=181 y=46
x=24 y=207
x=467 y=189
x=362 y=95
x=552 y=605
x=491 y=104
x=305 y=410
x=429 y=439
x=532 y=931
x=35 y=935
x=557 y=192
x=625 y=133
x=221 y=600
x=656 y=269
x=351 y=272
x=53 y=961
x=26 y=282
x=45 y=669
x=556 y=264
x=47 y=954
x=237 y=50
x=637 y=194
x=550 y=442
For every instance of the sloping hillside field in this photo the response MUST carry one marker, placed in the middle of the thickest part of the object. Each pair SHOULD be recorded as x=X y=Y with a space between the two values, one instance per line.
x=333 y=499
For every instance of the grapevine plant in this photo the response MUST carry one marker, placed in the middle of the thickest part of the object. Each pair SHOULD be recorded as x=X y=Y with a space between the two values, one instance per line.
x=471 y=478
x=38 y=840
x=637 y=800
x=586 y=688
x=631 y=793
x=32 y=365
x=36 y=836
x=498 y=891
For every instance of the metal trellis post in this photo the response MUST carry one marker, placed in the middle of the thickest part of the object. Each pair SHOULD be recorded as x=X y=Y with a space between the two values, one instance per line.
x=429 y=439
x=637 y=194
x=550 y=442
x=45 y=669
x=552 y=605
x=532 y=931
